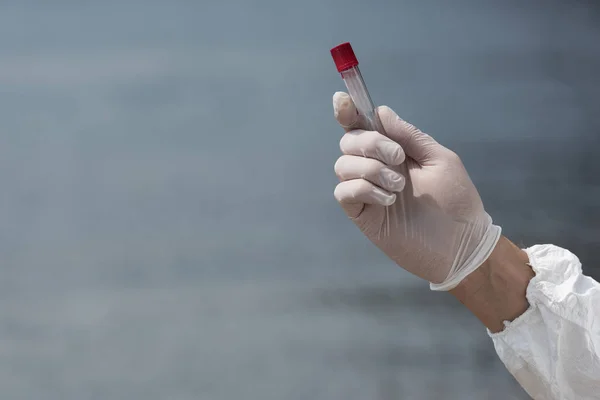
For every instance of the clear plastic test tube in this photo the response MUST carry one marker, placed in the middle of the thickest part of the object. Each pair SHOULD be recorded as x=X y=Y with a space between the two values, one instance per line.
x=347 y=65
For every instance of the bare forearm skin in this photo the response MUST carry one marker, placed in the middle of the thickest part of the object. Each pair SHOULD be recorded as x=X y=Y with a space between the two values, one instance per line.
x=495 y=292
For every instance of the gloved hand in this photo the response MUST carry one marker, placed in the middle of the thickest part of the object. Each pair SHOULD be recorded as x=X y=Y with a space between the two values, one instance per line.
x=412 y=197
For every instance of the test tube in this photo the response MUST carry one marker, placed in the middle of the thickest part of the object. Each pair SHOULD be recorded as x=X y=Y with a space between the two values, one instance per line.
x=347 y=65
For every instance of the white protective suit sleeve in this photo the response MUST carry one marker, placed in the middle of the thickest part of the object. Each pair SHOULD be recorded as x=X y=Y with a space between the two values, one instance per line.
x=553 y=349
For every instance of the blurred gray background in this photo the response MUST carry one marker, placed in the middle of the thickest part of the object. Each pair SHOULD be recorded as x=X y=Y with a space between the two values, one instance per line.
x=168 y=224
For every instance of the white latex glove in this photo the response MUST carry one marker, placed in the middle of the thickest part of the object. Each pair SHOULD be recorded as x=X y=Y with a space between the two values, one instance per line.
x=412 y=197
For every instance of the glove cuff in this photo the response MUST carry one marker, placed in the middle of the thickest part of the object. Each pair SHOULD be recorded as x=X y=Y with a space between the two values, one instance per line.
x=479 y=256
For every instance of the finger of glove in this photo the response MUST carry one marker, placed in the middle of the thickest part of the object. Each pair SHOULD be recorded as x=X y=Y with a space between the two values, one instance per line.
x=372 y=144
x=353 y=167
x=417 y=145
x=345 y=112
x=354 y=194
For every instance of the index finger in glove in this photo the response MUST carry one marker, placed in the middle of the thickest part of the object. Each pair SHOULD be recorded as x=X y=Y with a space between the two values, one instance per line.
x=418 y=145
x=372 y=144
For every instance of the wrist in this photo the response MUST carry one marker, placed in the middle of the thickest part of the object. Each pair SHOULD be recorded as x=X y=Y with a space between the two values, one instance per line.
x=495 y=292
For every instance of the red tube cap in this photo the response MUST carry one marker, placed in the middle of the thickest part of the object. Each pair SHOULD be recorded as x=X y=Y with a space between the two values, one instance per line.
x=343 y=57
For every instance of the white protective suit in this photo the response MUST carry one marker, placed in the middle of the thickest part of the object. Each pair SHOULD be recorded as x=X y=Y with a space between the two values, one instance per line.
x=553 y=349
x=413 y=198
